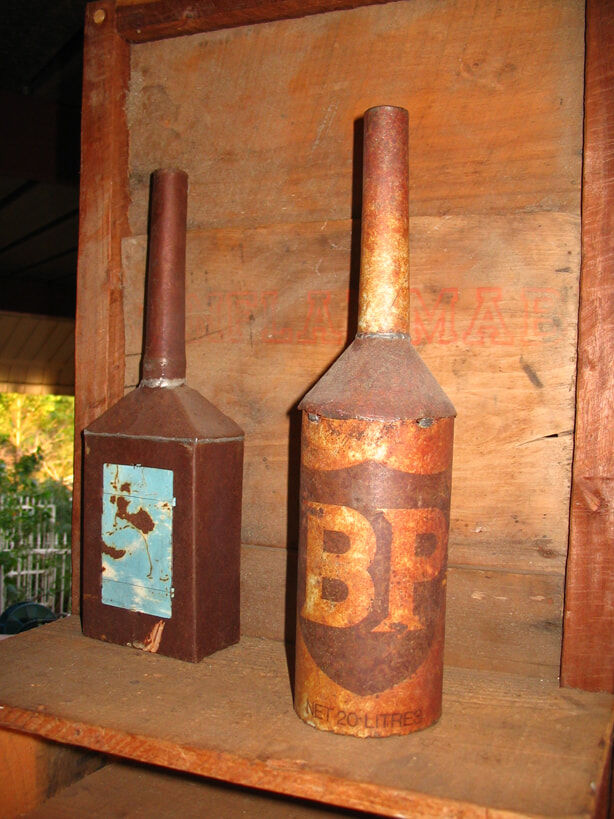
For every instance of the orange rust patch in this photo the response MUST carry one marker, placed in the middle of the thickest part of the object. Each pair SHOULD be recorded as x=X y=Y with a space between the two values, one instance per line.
x=334 y=443
x=372 y=568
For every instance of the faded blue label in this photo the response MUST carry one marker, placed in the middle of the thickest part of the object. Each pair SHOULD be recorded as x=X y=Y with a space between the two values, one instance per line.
x=137 y=532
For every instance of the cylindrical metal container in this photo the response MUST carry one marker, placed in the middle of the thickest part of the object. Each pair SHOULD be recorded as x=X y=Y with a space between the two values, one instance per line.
x=162 y=482
x=376 y=464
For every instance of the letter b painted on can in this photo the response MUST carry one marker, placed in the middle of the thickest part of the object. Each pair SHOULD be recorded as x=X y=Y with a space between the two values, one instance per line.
x=340 y=547
x=346 y=565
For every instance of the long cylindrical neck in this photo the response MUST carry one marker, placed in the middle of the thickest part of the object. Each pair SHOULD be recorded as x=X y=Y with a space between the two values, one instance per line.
x=383 y=302
x=164 y=349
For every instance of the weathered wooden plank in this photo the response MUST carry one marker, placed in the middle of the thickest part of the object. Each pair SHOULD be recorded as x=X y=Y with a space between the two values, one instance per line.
x=121 y=789
x=504 y=621
x=493 y=313
x=263 y=118
x=491 y=616
x=504 y=744
x=99 y=358
x=268 y=593
x=588 y=646
x=33 y=769
x=140 y=21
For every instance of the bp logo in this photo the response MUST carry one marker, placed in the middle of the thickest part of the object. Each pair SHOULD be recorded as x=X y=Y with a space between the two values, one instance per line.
x=371 y=590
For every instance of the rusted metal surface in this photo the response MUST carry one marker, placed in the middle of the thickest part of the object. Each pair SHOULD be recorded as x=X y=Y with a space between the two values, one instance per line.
x=383 y=299
x=400 y=384
x=376 y=463
x=162 y=483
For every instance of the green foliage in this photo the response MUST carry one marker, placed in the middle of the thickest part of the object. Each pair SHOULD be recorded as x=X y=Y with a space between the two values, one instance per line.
x=32 y=423
x=35 y=471
x=60 y=496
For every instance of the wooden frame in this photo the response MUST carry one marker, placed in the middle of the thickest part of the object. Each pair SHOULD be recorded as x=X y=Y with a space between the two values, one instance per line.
x=588 y=636
x=588 y=652
x=511 y=742
x=99 y=345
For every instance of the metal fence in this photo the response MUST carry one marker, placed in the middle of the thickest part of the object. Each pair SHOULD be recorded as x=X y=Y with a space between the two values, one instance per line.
x=35 y=565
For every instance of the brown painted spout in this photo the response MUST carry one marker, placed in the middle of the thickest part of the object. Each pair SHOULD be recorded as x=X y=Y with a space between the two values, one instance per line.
x=164 y=360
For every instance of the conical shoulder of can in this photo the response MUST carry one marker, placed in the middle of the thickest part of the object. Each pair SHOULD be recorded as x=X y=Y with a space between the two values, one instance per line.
x=379 y=378
x=178 y=413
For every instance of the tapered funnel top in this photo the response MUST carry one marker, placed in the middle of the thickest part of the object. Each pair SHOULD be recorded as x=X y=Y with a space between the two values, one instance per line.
x=164 y=361
x=380 y=376
x=383 y=306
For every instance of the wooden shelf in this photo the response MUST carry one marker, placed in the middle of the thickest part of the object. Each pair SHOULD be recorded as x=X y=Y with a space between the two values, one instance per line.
x=127 y=789
x=505 y=743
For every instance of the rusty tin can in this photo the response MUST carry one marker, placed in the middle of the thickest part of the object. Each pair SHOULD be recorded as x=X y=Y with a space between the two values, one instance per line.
x=162 y=482
x=376 y=460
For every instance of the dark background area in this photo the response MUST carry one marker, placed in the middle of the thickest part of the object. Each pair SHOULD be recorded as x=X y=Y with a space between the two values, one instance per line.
x=41 y=52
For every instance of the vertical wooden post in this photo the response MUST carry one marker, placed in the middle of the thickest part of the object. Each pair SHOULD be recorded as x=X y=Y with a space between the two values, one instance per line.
x=588 y=640
x=99 y=363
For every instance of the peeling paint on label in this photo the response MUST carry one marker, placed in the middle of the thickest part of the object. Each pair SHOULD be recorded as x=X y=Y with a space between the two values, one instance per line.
x=151 y=643
x=137 y=535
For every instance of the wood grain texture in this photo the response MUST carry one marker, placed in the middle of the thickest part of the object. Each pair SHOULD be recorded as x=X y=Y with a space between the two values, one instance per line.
x=491 y=616
x=263 y=118
x=33 y=769
x=140 y=21
x=99 y=358
x=134 y=791
x=504 y=621
x=495 y=95
x=493 y=313
x=506 y=745
x=588 y=646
